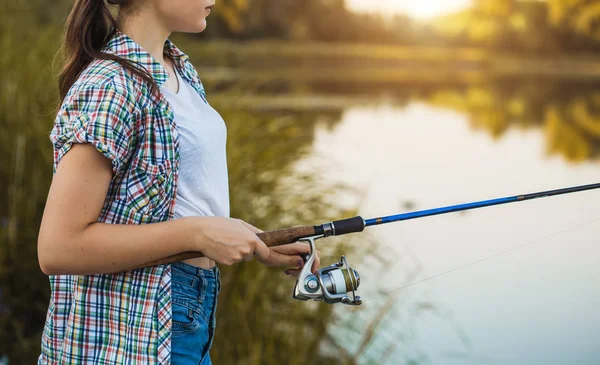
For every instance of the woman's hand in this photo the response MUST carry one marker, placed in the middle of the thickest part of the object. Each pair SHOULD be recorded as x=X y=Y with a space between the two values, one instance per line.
x=229 y=240
x=287 y=255
x=225 y=240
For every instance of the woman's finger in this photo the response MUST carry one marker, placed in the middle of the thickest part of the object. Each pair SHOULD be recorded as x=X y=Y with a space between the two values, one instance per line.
x=251 y=227
x=292 y=248
x=316 y=263
x=261 y=250
x=299 y=248
x=277 y=259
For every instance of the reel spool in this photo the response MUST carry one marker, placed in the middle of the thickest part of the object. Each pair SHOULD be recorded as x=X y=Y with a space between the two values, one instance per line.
x=332 y=284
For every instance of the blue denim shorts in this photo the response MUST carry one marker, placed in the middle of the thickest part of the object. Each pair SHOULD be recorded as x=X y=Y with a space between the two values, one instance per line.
x=194 y=302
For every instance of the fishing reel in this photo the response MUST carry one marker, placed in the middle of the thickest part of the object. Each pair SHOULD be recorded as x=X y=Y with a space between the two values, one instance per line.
x=332 y=284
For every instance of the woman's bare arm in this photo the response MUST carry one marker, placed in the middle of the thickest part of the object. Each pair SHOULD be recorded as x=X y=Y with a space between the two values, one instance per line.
x=71 y=241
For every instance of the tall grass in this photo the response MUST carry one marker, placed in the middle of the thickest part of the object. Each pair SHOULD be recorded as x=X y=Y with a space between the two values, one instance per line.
x=27 y=101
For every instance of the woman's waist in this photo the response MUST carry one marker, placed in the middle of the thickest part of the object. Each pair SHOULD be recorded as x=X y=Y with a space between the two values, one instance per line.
x=201 y=262
x=185 y=268
x=189 y=282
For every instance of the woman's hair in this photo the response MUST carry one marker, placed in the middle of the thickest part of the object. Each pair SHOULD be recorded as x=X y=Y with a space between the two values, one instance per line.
x=89 y=27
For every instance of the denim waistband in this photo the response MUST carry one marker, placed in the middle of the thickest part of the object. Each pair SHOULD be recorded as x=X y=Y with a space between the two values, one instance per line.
x=197 y=271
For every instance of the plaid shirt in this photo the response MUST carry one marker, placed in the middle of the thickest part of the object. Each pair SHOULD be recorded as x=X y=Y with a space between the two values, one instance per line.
x=120 y=318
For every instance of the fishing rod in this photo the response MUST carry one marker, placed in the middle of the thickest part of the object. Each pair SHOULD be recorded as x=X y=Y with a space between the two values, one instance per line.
x=338 y=283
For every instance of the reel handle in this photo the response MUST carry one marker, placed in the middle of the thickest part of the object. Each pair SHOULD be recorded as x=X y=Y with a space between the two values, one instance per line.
x=271 y=238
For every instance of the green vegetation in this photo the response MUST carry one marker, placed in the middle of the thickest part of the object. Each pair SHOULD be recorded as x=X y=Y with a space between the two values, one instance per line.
x=526 y=25
x=569 y=114
x=522 y=25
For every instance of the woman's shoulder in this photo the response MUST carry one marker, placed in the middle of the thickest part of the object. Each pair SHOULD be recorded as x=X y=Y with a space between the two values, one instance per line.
x=101 y=79
x=101 y=74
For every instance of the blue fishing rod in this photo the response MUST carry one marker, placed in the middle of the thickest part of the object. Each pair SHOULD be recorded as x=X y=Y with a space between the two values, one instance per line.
x=479 y=204
x=338 y=283
x=358 y=224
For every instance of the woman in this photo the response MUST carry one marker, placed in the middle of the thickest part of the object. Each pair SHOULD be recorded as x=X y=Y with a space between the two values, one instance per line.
x=139 y=174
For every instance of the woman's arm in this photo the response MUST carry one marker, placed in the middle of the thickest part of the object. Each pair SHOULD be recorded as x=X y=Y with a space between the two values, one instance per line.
x=71 y=241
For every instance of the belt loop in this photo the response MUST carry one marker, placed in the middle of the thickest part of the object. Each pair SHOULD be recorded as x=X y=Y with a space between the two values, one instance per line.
x=213 y=319
x=216 y=283
x=202 y=285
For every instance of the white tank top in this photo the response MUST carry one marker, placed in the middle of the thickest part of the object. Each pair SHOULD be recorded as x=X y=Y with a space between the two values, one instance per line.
x=202 y=185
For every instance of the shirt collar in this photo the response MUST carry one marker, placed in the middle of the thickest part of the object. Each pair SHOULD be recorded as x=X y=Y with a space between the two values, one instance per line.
x=124 y=46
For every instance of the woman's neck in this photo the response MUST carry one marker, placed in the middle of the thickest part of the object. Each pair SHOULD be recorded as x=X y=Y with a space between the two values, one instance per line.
x=146 y=30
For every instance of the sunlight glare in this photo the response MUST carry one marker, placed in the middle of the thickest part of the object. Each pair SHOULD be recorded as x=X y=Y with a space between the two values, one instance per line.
x=421 y=9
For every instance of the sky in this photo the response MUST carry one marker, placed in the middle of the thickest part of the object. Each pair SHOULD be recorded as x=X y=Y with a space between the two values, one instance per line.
x=421 y=9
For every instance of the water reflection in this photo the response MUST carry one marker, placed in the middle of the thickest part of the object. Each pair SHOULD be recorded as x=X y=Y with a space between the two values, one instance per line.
x=569 y=114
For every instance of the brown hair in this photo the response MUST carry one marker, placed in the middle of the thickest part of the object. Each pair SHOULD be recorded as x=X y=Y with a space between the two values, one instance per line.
x=89 y=27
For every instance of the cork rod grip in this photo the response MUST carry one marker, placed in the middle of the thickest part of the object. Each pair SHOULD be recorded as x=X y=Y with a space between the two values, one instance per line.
x=271 y=238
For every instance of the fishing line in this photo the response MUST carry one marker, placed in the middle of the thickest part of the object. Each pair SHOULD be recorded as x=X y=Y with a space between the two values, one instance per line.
x=494 y=255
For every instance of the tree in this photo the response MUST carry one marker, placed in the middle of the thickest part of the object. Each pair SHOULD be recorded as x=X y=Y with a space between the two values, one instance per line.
x=581 y=15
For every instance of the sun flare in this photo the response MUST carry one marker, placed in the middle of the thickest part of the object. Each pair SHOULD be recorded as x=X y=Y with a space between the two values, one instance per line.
x=421 y=9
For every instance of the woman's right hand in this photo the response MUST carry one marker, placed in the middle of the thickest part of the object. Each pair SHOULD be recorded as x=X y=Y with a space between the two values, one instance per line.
x=225 y=240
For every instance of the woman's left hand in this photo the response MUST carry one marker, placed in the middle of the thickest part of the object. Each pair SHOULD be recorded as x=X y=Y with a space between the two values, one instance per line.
x=281 y=255
x=288 y=255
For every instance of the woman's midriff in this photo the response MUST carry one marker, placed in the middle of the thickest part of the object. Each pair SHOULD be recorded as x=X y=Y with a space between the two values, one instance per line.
x=203 y=262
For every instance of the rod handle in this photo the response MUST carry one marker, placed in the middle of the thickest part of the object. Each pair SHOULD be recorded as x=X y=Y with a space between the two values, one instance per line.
x=286 y=235
x=271 y=238
x=348 y=225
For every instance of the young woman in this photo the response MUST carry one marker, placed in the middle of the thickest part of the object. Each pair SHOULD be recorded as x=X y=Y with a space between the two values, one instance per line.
x=139 y=174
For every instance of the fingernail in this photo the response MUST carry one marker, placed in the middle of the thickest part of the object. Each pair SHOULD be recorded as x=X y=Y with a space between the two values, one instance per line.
x=300 y=262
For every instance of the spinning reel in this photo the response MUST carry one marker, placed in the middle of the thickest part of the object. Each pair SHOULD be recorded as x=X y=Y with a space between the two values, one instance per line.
x=332 y=284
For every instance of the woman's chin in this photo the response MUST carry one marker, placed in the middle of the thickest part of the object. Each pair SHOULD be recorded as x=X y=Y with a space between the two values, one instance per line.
x=199 y=27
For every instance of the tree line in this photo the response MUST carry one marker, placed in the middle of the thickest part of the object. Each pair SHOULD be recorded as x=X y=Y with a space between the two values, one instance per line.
x=518 y=25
